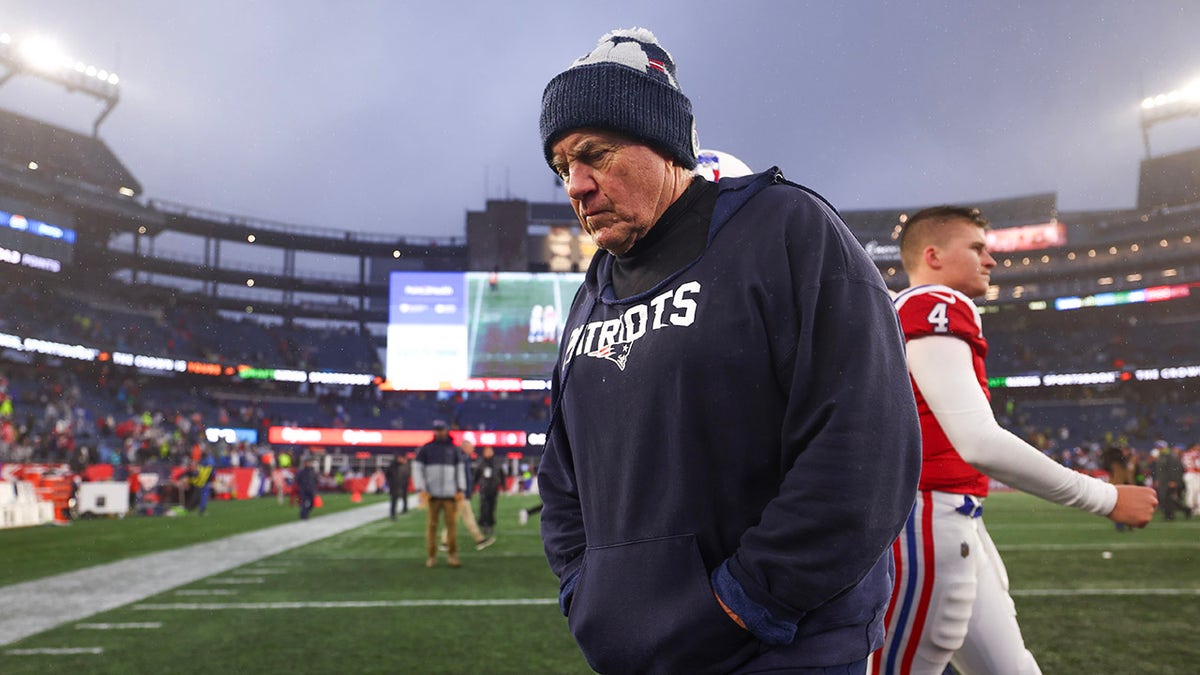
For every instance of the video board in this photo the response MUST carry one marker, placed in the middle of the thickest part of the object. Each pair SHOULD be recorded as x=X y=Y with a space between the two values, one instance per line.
x=31 y=243
x=475 y=331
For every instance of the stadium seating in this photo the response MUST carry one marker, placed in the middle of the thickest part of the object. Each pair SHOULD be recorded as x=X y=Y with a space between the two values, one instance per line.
x=114 y=301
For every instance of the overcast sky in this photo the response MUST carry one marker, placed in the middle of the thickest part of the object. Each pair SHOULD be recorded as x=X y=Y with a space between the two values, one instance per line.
x=395 y=116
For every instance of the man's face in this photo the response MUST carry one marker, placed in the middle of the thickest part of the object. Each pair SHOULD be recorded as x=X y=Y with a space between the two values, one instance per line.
x=617 y=185
x=966 y=263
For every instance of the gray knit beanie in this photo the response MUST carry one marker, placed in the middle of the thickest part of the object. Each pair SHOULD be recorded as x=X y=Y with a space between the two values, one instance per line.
x=627 y=84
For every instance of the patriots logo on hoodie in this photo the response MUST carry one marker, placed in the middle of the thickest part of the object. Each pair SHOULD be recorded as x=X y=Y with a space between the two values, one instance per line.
x=617 y=352
x=611 y=339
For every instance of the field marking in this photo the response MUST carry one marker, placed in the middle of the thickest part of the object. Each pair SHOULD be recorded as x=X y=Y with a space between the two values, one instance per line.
x=418 y=554
x=1060 y=592
x=1122 y=546
x=348 y=604
x=238 y=580
x=118 y=626
x=214 y=591
x=31 y=607
x=473 y=331
x=1013 y=526
x=247 y=572
x=54 y=651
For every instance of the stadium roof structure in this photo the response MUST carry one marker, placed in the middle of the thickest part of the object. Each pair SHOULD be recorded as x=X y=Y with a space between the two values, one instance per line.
x=1172 y=105
x=40 y=57
x=63 y=155
x=1021 y=210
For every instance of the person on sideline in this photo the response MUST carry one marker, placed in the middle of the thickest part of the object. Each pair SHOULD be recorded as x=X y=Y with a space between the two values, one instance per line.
x=733 y=443
x=951 y=601
x=490 y=474
x=441 y=480
x=464 y=511
x=398 y=475
x=1191 y=479
x=306 y=487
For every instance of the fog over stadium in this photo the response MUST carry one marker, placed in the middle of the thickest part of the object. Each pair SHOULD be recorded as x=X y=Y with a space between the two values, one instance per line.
x=399 y=117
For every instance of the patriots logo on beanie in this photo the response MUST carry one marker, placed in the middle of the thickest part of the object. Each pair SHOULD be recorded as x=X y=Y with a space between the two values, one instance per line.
x=636 y=48
x=627 y=83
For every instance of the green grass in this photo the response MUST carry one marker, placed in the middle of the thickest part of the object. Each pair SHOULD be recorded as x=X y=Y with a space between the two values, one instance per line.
x=1047 y=549
x=1100 y=623
x=35 y=552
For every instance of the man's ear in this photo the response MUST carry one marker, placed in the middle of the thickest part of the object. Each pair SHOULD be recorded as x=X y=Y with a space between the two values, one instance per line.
x=932 y=257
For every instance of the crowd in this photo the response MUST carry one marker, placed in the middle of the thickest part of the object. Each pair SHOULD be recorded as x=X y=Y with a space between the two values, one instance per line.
x=86 y=413
x=67 y=416
x=1095 y=338
x=181 y=330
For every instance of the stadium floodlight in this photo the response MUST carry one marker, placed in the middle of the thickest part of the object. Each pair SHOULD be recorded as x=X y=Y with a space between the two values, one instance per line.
x=1175 y=104
x=42 y=57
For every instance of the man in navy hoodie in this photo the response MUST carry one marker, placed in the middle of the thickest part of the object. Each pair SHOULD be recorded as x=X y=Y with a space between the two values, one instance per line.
x=734 y=442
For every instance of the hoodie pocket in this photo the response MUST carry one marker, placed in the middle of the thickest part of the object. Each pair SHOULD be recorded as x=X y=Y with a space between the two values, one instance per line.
x=647 y=606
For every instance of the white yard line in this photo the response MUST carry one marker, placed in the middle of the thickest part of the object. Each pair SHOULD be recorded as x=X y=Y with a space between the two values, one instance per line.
x=525 y=602
x=35 y=606
x=54 y=651
x=1114 y=546
x=348 y=604
x=1061 y=592
x=119 y=626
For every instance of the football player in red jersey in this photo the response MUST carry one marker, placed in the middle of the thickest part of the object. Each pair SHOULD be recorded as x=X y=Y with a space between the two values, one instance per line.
x=951 y=601
x=1191 y=479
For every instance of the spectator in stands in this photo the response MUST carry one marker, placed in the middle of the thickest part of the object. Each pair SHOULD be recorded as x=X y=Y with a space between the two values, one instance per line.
x=398 y=474
x=306 y=487
x=440 y=478
x=734 y=444
x=490 y=474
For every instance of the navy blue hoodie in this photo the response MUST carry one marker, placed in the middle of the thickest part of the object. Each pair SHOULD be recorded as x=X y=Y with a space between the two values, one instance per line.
x=744 y=429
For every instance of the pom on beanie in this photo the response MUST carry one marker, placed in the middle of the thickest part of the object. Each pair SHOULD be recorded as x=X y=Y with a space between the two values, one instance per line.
x=626 y=84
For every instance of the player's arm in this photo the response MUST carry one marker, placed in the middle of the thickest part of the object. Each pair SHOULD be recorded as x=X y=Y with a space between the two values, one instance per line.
x=942 y=368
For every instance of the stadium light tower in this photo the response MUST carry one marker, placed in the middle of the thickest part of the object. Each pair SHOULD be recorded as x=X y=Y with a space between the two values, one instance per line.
x=41 y=57
x=1183 y=102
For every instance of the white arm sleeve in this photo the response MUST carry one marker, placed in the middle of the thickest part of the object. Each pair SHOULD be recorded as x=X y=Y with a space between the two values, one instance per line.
x=941 y=366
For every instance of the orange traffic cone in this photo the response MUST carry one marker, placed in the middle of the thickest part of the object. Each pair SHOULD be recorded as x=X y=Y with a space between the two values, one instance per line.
x=356 y=496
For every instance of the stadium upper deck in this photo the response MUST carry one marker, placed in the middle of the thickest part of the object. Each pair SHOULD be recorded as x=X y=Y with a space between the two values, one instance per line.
x=66 y=198
x=339 y=275
x=163 y=253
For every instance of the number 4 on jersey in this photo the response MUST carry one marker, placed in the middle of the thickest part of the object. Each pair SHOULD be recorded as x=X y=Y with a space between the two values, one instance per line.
x=938 y=319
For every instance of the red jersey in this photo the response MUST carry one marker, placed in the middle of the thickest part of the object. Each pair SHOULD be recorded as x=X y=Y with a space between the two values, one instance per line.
x=941 y=310
x=1191 y=461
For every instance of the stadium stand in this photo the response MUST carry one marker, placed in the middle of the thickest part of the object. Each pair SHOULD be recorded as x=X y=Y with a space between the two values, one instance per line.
x=82 y=161
x=148 y=336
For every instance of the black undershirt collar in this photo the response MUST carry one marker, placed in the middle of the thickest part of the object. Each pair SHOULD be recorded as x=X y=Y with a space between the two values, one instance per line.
x=678 y=238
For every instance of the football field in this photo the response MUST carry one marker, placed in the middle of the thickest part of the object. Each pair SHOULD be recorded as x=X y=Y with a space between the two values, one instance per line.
x=513 y=326
x=1090 y=599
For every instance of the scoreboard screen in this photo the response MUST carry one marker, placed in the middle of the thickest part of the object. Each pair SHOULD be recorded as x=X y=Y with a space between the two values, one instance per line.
x=27 y=242
x=475 y=330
